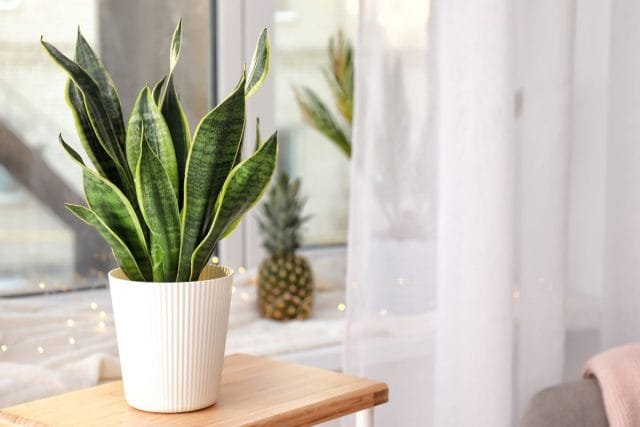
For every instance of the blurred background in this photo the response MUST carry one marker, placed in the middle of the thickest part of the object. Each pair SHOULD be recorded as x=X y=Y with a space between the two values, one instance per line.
x=41 y=243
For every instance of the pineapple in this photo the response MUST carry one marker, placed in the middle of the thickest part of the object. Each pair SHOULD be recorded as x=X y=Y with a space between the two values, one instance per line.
x=285 y=280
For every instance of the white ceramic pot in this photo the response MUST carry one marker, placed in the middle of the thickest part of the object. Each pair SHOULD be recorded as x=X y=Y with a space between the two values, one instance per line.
x=171 y=339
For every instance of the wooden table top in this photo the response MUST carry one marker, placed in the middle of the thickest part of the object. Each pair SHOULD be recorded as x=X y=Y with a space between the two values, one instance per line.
x=255 y=392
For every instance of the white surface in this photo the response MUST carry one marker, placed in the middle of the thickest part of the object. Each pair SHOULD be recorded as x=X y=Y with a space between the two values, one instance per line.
x=29 y=322
x=171 y=339
x=503 y=137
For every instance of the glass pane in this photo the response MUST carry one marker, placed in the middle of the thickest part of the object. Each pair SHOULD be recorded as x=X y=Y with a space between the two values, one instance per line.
x=301 y=36
x=42 y=247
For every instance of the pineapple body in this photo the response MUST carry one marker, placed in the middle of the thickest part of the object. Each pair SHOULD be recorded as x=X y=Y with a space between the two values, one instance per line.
x=285 y=287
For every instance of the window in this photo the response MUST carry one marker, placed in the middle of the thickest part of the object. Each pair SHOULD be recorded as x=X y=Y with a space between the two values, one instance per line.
x=300 y=31
x=42 y=248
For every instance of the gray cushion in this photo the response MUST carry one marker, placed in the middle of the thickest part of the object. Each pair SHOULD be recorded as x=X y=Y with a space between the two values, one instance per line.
x=572 y=404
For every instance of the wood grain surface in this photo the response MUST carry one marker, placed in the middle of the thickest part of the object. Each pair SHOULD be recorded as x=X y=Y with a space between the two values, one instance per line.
x=255 y=392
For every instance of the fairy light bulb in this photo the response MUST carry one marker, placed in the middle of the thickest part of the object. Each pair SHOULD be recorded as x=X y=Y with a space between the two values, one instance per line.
x=342 y=307
x=70 y=323
x=94 y=306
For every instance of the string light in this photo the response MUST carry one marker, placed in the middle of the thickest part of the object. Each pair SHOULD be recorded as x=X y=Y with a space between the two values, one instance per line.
x=342 y=307
x=4 y=347
x=41 y=285
x=382 y=312
x=101 y=324
x=244 y=296
x=241 y=270
x=94 y=306
x=40 y=349
x=216 y=260
x=102 y=314
x=70 y=323
x=72 y=340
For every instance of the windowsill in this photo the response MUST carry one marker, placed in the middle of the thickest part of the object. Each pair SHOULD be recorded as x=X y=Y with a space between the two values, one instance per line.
x=65 y=341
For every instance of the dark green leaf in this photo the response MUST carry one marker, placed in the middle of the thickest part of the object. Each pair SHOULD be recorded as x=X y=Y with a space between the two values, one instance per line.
x=242 y=189
x=211 y=158
x=97 y=113
x=157 y=90
x=179 y=128
x=115 y=210
x=146 y=112
x=123 y=255
x=159 y=207
x=89 y=61
x=100 y=158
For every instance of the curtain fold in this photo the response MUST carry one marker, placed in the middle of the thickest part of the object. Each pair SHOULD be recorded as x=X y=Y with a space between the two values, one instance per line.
x=495 y=203
x=474 y=109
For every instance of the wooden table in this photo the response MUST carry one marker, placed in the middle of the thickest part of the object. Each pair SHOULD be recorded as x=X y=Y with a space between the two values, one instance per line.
x=255 y=392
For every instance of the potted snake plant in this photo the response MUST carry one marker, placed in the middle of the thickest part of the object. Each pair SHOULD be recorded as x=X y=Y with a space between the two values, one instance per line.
x=162 y=199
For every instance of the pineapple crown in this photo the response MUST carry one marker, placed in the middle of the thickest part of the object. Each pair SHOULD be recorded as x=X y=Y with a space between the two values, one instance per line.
x=281 y=217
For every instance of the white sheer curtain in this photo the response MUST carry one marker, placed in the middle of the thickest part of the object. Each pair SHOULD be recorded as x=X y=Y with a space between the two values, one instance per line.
x=495 y=208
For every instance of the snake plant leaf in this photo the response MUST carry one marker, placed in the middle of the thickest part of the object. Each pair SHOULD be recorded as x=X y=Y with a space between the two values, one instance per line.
x=258 y=136
x=259 y=67
x=100 y=158
x=115 y=210
x=89 y=61
x=318 y=115
x=176 y=119
x=211 y=157
x=98 y=115
x=159 y=207
x=242 y=189
x=166 y=98
x=123 y=255
x=157 y=90
x=176 y=42
x=147 y=114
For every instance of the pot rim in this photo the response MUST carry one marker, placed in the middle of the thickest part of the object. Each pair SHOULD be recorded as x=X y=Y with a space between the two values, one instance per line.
x=227 y=272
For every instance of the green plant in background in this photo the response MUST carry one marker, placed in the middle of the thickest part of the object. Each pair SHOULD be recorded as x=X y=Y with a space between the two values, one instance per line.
x=285 y=280
x=159 y=197
x=339 y=76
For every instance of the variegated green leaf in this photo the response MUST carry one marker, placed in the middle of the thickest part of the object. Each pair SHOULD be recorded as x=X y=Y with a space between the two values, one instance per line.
x=179 y=128
x=115 y=210
x=159 y=207
x=242 y=189
x=146 y=112
x=259 y=67
x=100 y=158
x=97 y=113
x=176 y=42
x=89 y=61
x=121 y=252
x=211 y=158
x=157 y=90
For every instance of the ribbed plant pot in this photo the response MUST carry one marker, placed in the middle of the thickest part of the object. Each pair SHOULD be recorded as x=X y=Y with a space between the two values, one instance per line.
x=171 y=339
